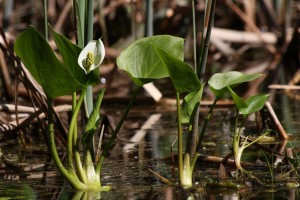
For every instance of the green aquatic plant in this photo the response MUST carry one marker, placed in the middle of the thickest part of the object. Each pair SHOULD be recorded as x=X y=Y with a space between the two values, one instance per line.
x=221 y=83
x=161 y=56
x=77 y=71
x=158 y=57
x=74 y=74
x=57 y=79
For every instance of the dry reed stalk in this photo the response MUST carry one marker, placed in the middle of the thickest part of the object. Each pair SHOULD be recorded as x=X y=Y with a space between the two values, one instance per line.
x=250 y=24
x=276 y=121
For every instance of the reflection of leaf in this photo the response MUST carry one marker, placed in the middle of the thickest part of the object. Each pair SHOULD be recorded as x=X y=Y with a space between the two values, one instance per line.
x=255 y=103
x=219 y=81
x=40 y=60
x=158 y=57
x=190 y=103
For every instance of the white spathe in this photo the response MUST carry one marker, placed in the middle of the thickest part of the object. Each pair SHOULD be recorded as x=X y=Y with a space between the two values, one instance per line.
x=91 y=56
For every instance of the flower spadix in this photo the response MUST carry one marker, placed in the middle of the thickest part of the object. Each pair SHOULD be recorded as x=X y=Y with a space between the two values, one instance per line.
x=91 y=56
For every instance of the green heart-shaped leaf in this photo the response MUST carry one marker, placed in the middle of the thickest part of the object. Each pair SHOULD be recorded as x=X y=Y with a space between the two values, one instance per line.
x=219 y=81
x=38 y=57
x=255 y=103
x=158 y=57
x=141 y=61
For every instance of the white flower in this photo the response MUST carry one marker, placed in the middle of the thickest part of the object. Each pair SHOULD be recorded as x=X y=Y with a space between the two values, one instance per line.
x=91 y=56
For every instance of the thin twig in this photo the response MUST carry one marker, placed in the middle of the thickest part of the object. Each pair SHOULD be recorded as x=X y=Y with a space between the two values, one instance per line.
x=276 y=121
x=161 y=178
x=284 y=87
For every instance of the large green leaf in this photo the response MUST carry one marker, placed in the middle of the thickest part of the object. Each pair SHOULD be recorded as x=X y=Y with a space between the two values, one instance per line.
x=158 y=57
x=219 y=81
x=141 y=61
x=189 y=105
x=70 y=53
x=40 y=60
x=182 y=75
x=255 y=103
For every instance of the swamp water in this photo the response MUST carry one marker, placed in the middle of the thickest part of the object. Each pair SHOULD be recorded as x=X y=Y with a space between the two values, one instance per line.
x=30 y=174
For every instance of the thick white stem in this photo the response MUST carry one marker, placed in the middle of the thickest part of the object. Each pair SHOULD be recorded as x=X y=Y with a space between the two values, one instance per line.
x=186 y=179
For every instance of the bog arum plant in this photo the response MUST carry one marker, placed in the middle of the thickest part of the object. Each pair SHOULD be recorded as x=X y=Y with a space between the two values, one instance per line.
x=221 y=83
x=161 y=56
x=68 y=77
x=244 y=109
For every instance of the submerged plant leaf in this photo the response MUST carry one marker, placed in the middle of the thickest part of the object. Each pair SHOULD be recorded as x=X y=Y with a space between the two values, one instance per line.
x=255 y=103
x=218 y=82
x=190 y=102
x=158 y=57
x=38 y=57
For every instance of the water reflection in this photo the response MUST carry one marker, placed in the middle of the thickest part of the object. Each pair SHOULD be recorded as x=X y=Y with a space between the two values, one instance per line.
x=33 y=176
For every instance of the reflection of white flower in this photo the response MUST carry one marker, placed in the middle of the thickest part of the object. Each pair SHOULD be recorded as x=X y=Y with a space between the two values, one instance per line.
x=91 y=56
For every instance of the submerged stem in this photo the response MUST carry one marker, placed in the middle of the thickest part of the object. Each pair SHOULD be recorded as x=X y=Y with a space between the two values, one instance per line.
x=78 y=163
x=69 y=175
x=205 y=124
x=70 y=145
x=208 y=116
x=184 y=168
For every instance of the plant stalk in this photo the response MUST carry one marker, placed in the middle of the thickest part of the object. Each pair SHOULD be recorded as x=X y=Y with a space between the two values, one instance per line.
x=71 y=144
x=149 y=18
x=192 y=138
x=89 y=36
x=179 y=132
x=210 y=7
x=208 y=116
x=68 y=174
x=46 y=18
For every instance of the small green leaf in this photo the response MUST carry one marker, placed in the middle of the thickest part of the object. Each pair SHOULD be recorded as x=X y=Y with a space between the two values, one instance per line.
x=219 y=81
x=38 y=57
x=239 y=102
x=190 y=103
x=92 y=122
x=255 y=103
